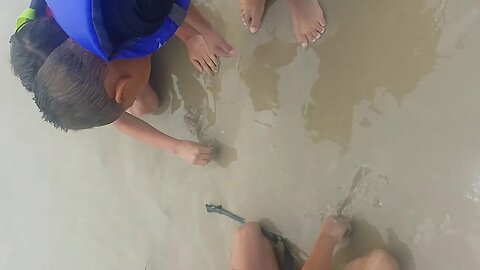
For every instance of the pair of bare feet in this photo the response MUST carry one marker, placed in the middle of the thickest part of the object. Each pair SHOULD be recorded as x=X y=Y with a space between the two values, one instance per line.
x=307 y=18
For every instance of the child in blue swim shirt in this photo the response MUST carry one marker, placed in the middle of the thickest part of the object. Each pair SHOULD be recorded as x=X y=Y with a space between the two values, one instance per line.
x=102 y=66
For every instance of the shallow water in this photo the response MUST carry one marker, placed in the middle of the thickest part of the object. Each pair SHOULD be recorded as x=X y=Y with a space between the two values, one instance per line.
x=391 y=87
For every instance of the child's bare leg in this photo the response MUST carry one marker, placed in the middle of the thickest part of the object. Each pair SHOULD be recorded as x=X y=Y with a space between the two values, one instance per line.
x=146 y=102
x=308 y=20
x=375 y=260
x=252 y=13
x=251 y=250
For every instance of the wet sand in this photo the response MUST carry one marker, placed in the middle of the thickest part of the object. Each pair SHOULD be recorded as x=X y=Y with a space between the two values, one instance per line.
x=392 y=87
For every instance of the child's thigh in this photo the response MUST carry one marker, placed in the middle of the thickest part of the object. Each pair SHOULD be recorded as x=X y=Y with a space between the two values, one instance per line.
x=251 y=250
x=376 y=260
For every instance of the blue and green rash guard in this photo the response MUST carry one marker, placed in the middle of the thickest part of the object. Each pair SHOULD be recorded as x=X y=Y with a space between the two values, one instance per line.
x=120 y=29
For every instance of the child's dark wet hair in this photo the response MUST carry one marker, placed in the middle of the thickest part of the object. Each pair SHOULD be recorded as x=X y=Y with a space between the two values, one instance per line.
x=67 y=81
x=30 y=47
x=69 y=89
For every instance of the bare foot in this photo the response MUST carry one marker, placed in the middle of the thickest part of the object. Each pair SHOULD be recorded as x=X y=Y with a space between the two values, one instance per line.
x=308 y=20
x=200 y=55
x=252 y=13
x=336 y=227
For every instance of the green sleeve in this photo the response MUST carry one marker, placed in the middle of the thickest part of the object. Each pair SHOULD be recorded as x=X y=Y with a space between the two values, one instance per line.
x=27 y=15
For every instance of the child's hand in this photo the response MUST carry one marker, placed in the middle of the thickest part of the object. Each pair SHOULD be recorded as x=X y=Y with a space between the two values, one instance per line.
x=217 y=44
x=201 y=57
x=336 y=227
x=193 y=152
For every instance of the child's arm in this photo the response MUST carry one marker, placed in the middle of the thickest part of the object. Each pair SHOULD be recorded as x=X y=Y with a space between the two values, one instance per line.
x=138 y=129
x=197 y=21
x=321 y=257
x=185 y=32
x=333 y=230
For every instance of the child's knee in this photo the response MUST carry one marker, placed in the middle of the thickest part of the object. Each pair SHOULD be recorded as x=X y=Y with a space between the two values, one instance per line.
x=152 y=104
x=380 y=259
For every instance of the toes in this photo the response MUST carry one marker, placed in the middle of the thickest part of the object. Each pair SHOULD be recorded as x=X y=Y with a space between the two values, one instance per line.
x=243 y=16
x=256 y=21
x=320 y=28
x=316 y=34
x=302 y=40
x=247 y=18
x=311 y=37
x=322 y=22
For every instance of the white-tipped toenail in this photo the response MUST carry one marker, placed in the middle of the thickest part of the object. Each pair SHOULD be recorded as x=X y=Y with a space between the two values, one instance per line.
x=253 y=30
x=303 y=44
x=323 y=30
x=318 y=36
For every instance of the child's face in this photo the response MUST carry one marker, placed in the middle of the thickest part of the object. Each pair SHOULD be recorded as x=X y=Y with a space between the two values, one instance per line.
x=126 y=78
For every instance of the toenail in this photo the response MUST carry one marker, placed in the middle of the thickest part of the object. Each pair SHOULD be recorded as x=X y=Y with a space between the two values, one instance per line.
x=253 y=30
x=303 y=44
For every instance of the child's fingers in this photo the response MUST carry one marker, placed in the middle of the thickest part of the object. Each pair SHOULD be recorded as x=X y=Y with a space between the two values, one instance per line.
x=197 y=65
x=201 y=162
x=213 y=60
x=203 y=159
x=218 y=51
x=212 y=57
x=204 y=65
x=227 y=48
x=207 y=157
x=210 y=63
x=205 y=150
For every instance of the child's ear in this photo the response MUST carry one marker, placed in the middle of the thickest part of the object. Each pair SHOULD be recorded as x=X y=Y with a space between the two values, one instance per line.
x=120 y=89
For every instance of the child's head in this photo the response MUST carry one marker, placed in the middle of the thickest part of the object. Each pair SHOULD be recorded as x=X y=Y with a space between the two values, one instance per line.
x=75 y=89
